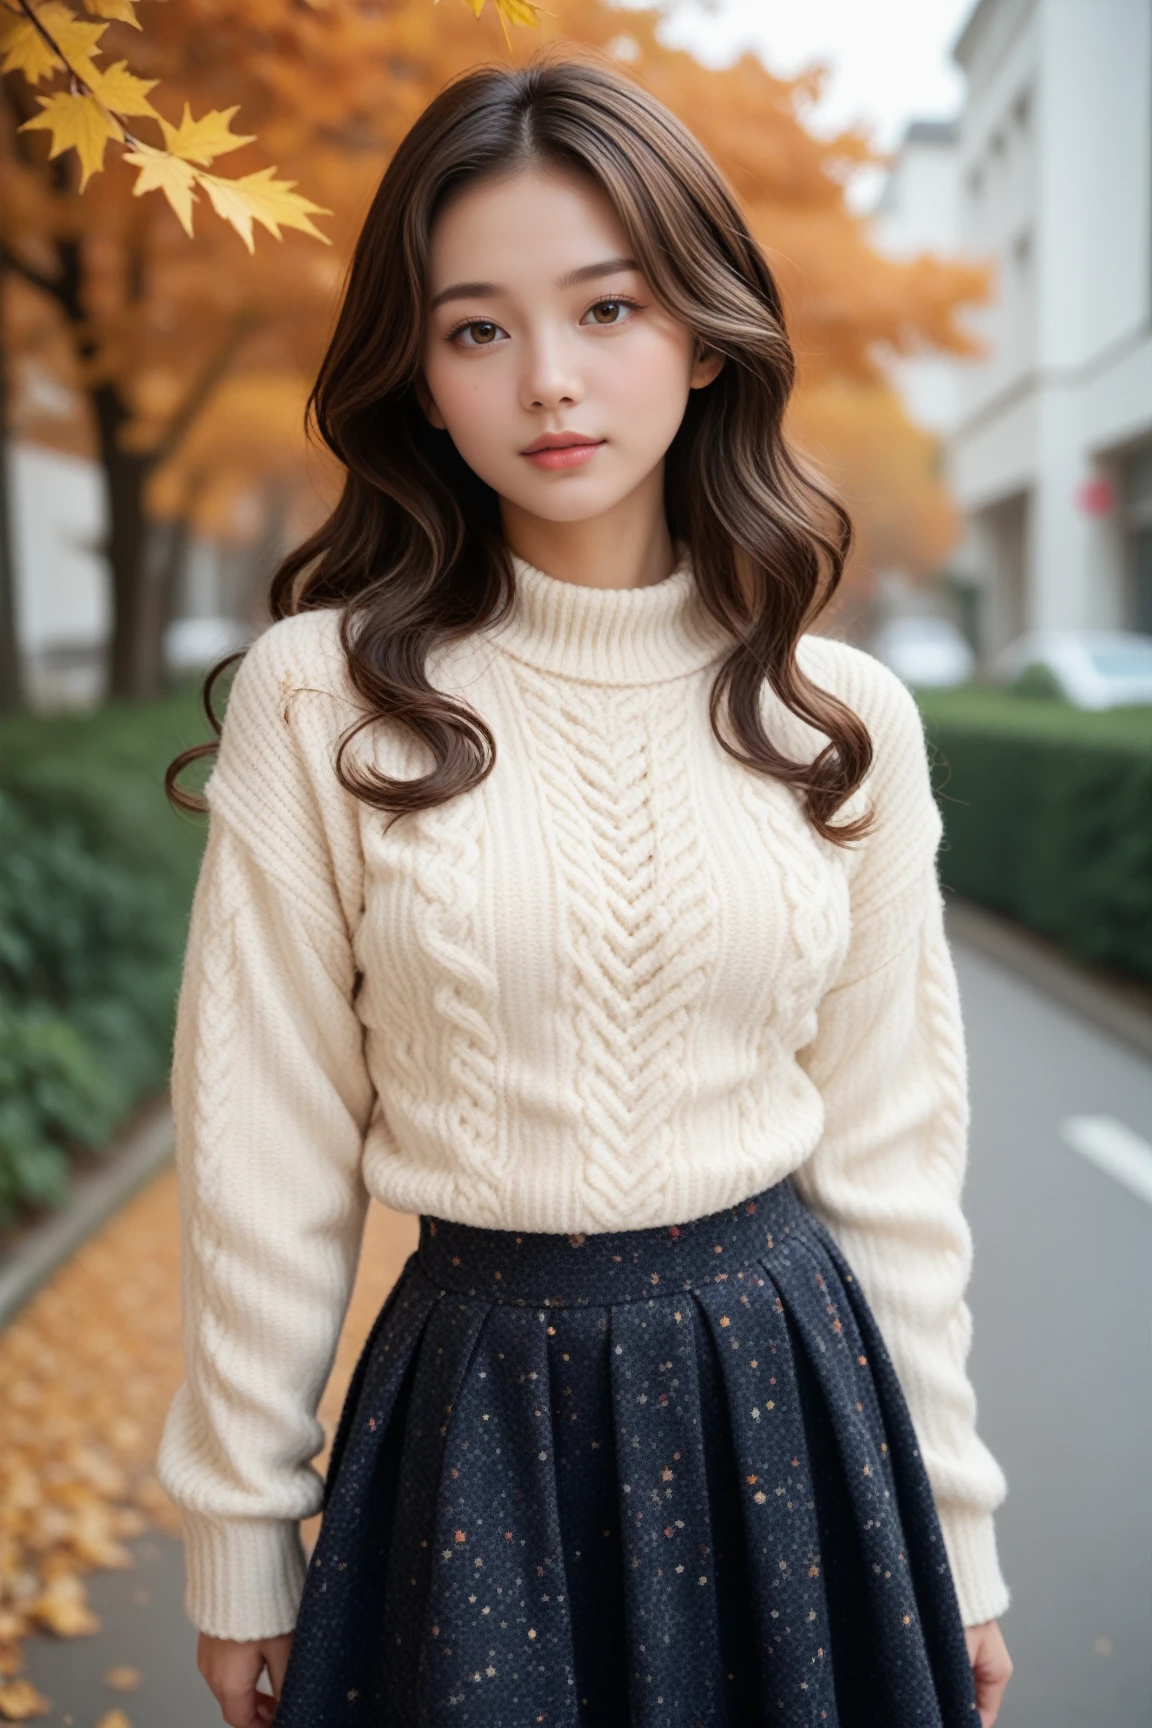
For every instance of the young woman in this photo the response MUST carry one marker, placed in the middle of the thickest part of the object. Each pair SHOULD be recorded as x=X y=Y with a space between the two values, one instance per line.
x=561 y=888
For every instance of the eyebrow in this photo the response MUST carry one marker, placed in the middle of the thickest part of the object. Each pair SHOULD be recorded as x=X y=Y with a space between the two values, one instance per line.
x=586 y=273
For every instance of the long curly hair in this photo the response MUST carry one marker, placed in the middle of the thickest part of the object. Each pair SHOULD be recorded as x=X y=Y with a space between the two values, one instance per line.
x=413 y=552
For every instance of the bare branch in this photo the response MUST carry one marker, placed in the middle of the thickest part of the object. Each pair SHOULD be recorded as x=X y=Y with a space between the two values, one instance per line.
x=46 y=284
x=245 y=321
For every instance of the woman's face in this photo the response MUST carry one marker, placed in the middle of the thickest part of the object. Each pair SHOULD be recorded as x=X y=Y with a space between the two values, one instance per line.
x=559 y=379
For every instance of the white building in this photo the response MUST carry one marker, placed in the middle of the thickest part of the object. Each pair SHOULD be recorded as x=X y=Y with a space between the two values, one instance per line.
x=919 y=211
x=1049 y=435
x=63 y=605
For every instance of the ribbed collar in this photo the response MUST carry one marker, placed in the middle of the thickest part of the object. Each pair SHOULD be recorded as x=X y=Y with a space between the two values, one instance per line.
x=610 y=635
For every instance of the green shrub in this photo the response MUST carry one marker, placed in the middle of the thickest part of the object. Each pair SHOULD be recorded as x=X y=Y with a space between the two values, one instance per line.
x=96 y=878
x=1048 y=817
x=54 y=1093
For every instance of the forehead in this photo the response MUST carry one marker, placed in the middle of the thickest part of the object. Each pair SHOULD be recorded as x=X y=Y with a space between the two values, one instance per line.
x=532 y=225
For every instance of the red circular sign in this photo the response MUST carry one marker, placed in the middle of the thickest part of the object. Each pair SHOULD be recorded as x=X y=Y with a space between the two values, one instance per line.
x=1096 y=497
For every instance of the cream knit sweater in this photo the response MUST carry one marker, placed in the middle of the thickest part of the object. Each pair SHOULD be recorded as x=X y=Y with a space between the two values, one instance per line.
x=622 y=983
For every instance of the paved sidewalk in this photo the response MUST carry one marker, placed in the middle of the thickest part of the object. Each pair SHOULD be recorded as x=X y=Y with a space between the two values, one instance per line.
x=144 y=1628
x=87 y=1370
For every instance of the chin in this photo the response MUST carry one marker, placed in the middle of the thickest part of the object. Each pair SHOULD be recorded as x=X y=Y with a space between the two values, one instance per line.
x=570 y=502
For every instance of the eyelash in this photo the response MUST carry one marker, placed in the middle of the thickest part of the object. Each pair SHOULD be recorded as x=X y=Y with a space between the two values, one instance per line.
x=470 y=323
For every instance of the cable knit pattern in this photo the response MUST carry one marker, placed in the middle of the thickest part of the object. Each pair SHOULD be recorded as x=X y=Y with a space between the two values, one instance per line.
x=450 y=851
x=621 y=983
x=639 y=928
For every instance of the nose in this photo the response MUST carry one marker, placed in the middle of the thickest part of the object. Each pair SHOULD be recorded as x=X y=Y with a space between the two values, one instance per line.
x=551 y=377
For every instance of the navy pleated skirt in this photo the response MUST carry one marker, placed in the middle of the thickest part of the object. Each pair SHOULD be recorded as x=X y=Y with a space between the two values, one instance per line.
x=662 y=1476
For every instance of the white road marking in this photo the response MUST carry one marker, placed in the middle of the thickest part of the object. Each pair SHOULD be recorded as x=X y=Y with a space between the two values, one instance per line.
x=1114 y=1148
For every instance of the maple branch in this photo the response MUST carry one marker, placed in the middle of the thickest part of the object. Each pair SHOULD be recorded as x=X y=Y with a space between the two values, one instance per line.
x=245 y=321
x=38 y=25
x=173 y=167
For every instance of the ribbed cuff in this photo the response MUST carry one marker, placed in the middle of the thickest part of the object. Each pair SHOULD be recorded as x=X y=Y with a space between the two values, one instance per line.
x=243 y=1577
x=970 y=1538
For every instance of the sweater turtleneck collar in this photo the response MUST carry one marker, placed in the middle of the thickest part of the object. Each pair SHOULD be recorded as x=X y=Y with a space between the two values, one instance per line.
x=610 y=635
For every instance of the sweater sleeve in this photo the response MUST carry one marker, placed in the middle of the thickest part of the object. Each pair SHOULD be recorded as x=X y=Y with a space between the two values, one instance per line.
x=271 y=1100
x=890 y=1063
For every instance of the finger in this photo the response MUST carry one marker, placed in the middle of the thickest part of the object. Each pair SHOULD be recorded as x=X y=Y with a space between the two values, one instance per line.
x=278 y=1666
x=989 y=1697
x=239 y=1707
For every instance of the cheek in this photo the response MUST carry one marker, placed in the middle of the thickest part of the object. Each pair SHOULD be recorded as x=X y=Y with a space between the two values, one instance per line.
x=468 y=393
x=647 y=383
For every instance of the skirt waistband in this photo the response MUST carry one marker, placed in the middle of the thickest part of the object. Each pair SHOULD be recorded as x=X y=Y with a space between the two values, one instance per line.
x=539 y=1269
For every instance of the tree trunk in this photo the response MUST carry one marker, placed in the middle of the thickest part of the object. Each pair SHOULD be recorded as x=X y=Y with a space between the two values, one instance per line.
x=132 y=670
x=11 y=675
x=137 y=578
x=171 y=548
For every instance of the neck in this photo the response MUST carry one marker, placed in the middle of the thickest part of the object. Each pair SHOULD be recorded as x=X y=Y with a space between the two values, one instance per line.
x=628 y=546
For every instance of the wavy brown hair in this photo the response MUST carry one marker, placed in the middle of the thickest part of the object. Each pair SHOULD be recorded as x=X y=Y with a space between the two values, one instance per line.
x=413 y=552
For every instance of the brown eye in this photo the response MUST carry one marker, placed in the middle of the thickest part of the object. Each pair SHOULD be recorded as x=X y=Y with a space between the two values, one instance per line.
x=606 y=311
x=482 y=334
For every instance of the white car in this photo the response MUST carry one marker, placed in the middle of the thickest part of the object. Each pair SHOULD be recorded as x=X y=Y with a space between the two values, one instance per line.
x=1090 y=668
x=924 y=649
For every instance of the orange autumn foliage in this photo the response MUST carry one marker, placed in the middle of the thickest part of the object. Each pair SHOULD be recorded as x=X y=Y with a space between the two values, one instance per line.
x=195 y=338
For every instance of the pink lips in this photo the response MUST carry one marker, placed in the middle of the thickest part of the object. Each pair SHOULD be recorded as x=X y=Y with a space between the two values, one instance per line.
x=562 y=450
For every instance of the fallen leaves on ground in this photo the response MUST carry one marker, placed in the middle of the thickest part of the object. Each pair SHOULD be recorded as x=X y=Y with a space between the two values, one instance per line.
x=20 y=1702
x=123 y=1678
x=88 y=1369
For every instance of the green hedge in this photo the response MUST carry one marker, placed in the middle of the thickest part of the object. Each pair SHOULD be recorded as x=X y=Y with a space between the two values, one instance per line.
x=96 y=878
x=1048 y=817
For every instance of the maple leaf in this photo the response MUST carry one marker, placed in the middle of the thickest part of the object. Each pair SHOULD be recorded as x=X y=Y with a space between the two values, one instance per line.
x=204 y=139
x=258 y=196
x=508 y=12
x=122 y=11
x=26 y=50
x=76 y=122
x=121 y=90
x=168 y=174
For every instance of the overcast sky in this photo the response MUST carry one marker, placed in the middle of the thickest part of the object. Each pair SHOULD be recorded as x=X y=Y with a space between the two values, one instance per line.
x=889 y=59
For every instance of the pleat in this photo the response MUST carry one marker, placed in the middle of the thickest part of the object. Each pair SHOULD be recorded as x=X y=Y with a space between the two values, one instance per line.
x=385 y=1354
x=782 y=1543
x=583 y=1434
x=923 y=1541
x=737 y=1655
x=499 y=1634
x=446 y=1350
x=333 y=1664
x=667 y=1540
x=883 y=1672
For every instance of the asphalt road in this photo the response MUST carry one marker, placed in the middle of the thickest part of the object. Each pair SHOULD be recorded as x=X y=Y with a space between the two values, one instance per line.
x=1062 y=1362
x=1061 y=1299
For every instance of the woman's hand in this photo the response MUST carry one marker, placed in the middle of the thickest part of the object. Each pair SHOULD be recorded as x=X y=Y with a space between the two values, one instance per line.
x=232 y=1669
x=991 y=1667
